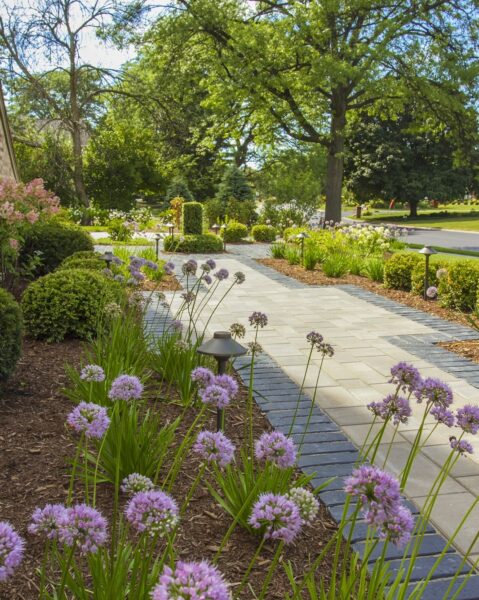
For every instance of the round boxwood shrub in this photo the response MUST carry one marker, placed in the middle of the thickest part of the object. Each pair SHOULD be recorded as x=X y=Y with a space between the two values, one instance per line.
x=398 y=270
x=459 y=287
x=55 y=241
x=191 y=244
x=264 y=233
x=94 y=264
x=68 y=303
x=419 y=272
x=235 y=232
x=81 y=254
x=10 y=334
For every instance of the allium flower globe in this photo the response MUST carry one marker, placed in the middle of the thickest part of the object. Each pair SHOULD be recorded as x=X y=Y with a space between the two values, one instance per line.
x=406 y=376
x=238 y=330
x=239 y=277
x=85 y=527
x=306 y=502
x=11 y=550
x=461 y=446
x=373 y=487
x=258 y=319
x=89 y=419
x=214 y=447
x=397 y=526
x=276 y=448
x=228 y=383
x=191 y=581
x=126 y=387
x=134 y=483
x=221 y=274
x=211 y=263
x=152 y=511
x=202 y=376
x=215 y=395
x=431 y=292
x=278 y=516
x=392 y=407
x=435 y=391
x=47 y=521
x=207 y=279
x=468 y=418
x=92 y=373
x=444 y=416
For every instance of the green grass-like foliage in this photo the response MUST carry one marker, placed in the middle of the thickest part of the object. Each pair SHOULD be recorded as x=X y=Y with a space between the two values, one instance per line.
x=292 y=255
x=336 y=265
x=192 y=215
x=264 y=233
x=68 y=303
x=55 y=241
x=11 y=329
x=459 y=288
x=278 y=250
x=206 y=242
x=235 y=232
x=373 y=268
x=398 y=270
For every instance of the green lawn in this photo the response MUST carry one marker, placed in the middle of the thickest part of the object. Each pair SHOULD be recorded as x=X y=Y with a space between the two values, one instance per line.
x=457 y=217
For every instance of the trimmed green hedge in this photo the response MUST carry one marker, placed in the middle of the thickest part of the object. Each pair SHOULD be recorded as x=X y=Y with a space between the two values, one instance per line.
x=55 y=241
x=191 y=244
x=398 y=270
x=459 y=287
x=68 y=303
x=264 y=233
x=235 y=232
x=11 y=330
x=88 y=254
x=419 y=272
x=94 y=264
x=192 y=213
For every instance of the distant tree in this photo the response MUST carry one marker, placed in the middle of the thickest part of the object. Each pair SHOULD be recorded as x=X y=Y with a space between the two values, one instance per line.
x=178 y=188
x=234 y=185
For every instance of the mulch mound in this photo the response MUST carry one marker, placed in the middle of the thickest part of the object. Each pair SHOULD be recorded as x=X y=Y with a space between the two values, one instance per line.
x=35 y=448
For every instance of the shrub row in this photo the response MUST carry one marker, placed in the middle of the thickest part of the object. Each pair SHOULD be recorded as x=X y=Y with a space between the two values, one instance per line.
x=190 y=244
x=10 y=334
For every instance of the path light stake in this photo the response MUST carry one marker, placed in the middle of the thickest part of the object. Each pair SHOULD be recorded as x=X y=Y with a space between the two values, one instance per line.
x=302 y=236
x=428 y=252
x=222 y=347
x=157 y=242
x=215 y=228
x=171 y=228
x=107 y=257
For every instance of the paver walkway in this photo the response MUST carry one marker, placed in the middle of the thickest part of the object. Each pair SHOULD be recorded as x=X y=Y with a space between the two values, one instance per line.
x=367 y=338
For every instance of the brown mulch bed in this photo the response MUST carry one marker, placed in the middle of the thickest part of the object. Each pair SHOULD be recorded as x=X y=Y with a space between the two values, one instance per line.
x=317 y=277
x=169 y=283
x=35 y=448
x=468 y=349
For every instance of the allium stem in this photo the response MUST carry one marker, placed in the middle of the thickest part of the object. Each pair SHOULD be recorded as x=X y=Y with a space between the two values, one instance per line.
x=311 y=408
x=252 y=562
x=301 y=390
x=271 y=570
x=192 y=489
x=66 y=569
x=74 y=468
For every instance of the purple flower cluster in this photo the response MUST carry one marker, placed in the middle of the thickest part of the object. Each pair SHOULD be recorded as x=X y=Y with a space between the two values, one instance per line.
x=468 y=418
x=47 y=521
x=406 y=376
x=214 y=447
x=462 y=446
x=317 y=341
x=134 y=483
x=190 y=267
x=126 y=387
x=435 y=391
x=379 y=494
x=83 y=526
x=277 y=516
x=217 y=390
x=192 y=581
x=392 y=407
x=89 y=419
x=258 y=319
x=169 y=267
x=215 y=395
x=11 y=550
x=211 y=263
x=152 y=511
x=202 y=376
x=92 y=373
x=444 y=416
x=221 y=274
x=177 y=325
x=207 y=279
x=276 y=448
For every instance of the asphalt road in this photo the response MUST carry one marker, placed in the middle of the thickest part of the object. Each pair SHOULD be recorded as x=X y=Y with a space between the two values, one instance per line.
x=460 y=240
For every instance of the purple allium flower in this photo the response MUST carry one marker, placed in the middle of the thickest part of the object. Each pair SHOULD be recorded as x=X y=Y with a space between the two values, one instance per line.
x=221 y=274
x=306 y=502
x=258 y=319
x=228 y=383
x=431 y=292
x=169 y=267
x=191 y=581
x=207 y=279
x=188 y=297
x=237 y=330
x=120 y=278
x=406 y=376
x=462 y=446
x=325 y=349
x=151 y=265
x=276 y=448
x=373 y=487
x=83 y=526
x=468 y=418
x=442 y=415
x=278 y=516
x=215 y=395
x=202 y=376
x=134 y=483
x=190 y=267
x=392 y=407
x=116 y=260
x=177 y=325
x=397 y=526
x=92 y=373
x=314 y=338
x=11 y=550
x=138 y=275
x=211 y=263
x=435 y=391
x=152 y=511
x=136 y=263
x=90 y=419
x=214 y=447
x=240 y=277
x=47 y=520
x=126 y=387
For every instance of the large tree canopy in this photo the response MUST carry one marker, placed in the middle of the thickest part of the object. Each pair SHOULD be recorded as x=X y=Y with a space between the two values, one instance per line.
x=300 y=67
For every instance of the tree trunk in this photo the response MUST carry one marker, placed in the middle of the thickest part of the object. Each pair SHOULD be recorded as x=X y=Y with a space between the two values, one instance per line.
x=78 y=166
x=413 y=209
x=335 y=164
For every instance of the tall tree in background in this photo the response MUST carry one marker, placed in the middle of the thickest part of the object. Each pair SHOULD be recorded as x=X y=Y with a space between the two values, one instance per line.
x=40 y=53
x=303 y=66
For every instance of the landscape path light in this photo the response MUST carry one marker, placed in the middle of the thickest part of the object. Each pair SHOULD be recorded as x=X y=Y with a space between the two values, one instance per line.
x=108 y=258
x=157 y=242
x=171 y=228
x=428 y=252
x=221 y=347
x=215 y=228
x=223 y=229
x=302 y=236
